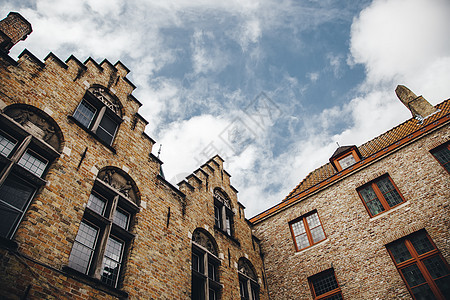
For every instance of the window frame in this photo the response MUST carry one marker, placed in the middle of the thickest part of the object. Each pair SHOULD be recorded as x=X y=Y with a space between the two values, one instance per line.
x=445 y=145
x=209 y=284
x=223 y=215
x=333 y=292
x=108 y=229
x=307 y=230
x=102 y=110
x=23 y=142
x=417 y=259
x=380 y=195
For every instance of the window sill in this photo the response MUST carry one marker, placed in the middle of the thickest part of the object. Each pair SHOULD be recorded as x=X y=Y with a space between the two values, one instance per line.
x=227 y=235
x=383 y=214
x=94 y=282
x=311 y=247
x=111 y=148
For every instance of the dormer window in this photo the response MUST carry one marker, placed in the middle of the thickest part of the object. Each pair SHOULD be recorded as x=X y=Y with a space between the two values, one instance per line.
x=99 y=113
x=345 y=157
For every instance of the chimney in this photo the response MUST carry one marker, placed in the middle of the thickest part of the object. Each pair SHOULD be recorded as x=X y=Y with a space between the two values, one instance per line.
x=13 y=28
x=419 y=106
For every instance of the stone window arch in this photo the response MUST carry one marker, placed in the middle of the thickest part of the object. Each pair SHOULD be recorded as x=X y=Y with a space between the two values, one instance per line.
x=105 y=233
x=30 y=140
x=99 y=113
x=205 y=267
x=248 y=280
x=223 y=212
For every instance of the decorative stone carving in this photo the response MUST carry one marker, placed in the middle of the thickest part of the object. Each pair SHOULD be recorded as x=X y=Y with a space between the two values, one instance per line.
x=200 y=238
x=37 y=123
x=245 y=268
x=120 y=181
x=103 y=95
x=222 y=197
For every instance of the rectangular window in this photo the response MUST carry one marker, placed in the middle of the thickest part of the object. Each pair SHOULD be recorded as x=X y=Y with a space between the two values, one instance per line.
x=112 y=261
x=121 y=218
x=442 y=155
x=347 y=161
x=85 y=113
x=325 y=286
x=107 y=129
x=83 y=248
x=6 y=144
x=15 y=196
x=33 y=163
x=421 y=266
x=380 y=195
x=97 y=204
x=307 y=231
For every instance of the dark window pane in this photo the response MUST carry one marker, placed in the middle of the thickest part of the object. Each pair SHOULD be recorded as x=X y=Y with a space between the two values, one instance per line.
x=423 y=292
x=436 y=267
x=413 y=275
x=368 y=193
x=6 y=145
x=243 y=289
x=324 y=283
x=106 y=129
x=421 y=242
x=8 y=219
x=375 y=207
x=211 y=271
x=389 y=192
x=442 y=154
x=212 y=294
x=443 y=285
x=16 y=192
x=84 y=113
x=217 y=216
x=335 y=297
x=399 y=251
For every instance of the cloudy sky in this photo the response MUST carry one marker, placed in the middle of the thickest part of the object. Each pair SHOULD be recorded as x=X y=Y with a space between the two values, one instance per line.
x=269 y=85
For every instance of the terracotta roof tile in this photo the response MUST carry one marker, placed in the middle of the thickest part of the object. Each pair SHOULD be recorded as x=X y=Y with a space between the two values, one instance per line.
x=371 y=147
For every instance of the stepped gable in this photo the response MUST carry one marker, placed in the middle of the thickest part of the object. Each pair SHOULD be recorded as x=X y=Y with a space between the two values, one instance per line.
x=370 y=150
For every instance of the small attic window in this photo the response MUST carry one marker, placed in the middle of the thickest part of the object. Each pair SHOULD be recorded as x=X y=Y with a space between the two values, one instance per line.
x=344 y=157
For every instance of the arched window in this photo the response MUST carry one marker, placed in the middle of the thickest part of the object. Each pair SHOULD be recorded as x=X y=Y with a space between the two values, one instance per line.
x=99 y=113
x=248 y=281
x=223 y=212
x=30 y=141
x=205 y=267
x=105 y=234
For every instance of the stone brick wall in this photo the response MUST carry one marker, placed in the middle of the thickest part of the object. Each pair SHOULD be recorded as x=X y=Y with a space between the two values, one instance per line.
x=158 y=262
x=355 y=242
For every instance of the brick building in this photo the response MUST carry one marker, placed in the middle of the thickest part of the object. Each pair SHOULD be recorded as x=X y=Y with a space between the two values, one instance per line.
x=85 y=210
x=373 y=223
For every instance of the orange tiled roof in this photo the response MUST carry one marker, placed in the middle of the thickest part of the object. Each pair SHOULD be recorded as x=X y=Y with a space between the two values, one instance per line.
x=369 y=150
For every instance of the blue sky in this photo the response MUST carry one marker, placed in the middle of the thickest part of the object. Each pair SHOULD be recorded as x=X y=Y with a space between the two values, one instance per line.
x=271 y=86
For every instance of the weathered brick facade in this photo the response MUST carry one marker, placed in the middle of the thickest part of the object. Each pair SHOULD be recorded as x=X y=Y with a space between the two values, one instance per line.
x=39 y=99
x=355 y=243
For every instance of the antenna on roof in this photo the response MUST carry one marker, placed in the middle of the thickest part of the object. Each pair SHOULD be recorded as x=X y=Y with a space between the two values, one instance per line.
x=338 y=144
x=159 y=151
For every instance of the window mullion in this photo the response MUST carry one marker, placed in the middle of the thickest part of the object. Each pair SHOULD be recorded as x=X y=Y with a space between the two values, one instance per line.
x=98 y=119
x=380 y=196
x=15 y=158
x=308 y=232
x=206 y=270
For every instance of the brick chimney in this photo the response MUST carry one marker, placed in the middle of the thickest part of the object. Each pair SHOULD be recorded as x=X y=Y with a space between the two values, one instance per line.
x=419 y=106
x=13 y=28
